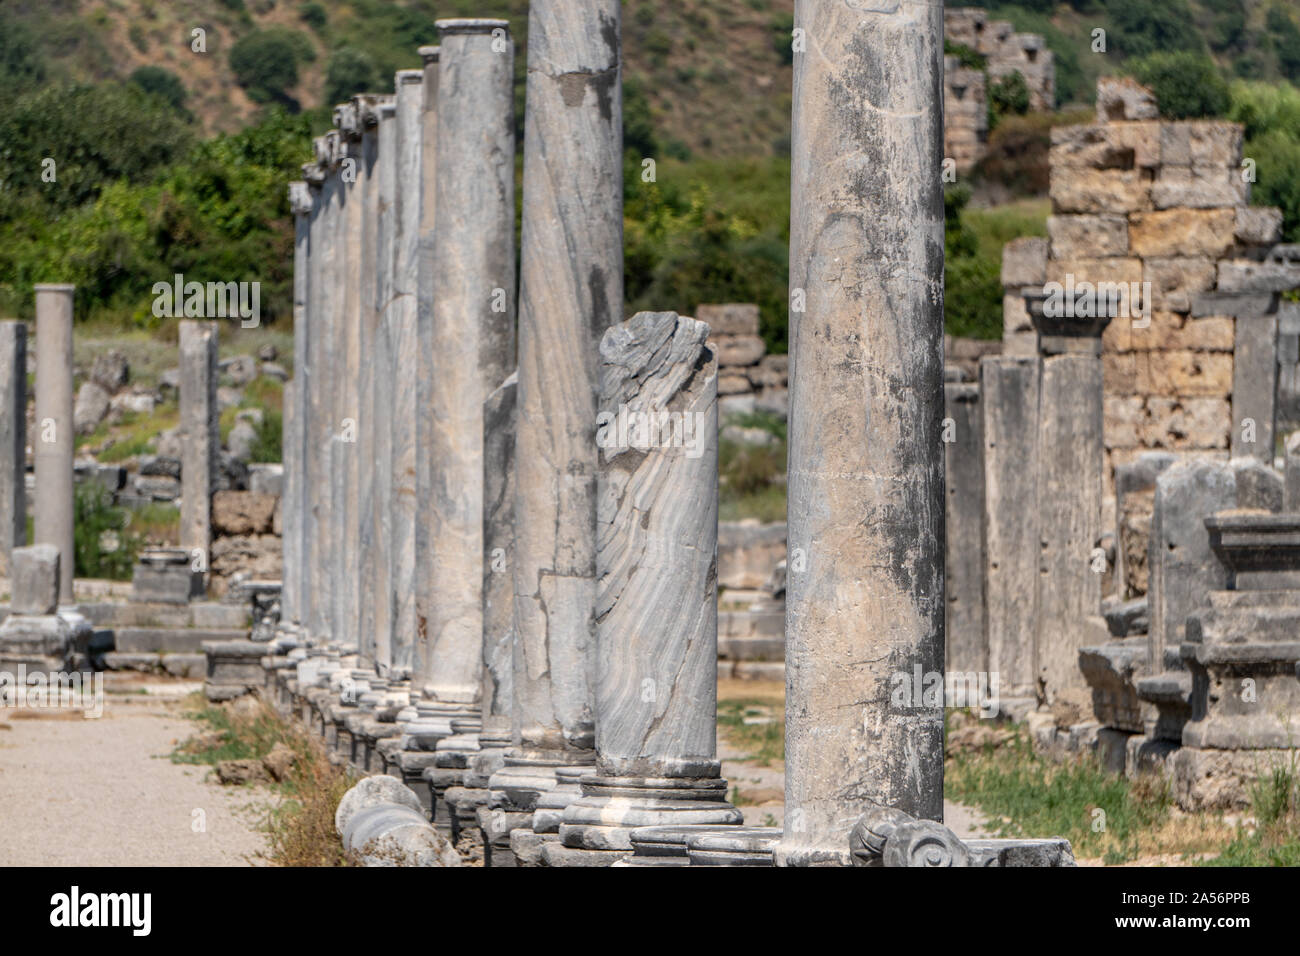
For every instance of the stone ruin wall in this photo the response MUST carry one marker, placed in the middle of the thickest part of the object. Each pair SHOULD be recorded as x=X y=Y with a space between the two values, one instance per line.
x=965 y=99
x=1139 y=200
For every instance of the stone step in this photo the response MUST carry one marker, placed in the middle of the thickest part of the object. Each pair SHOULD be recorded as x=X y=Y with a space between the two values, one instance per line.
x=143 y=614
x=1240 y=625
x=1233 y=599
x=137 y=640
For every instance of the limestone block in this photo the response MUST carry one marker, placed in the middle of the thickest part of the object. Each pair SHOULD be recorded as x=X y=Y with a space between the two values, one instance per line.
x=729 y=319
x=1247 y=276
x=1121 y=98
x=1119 y=373
x=1024 y=262
x=1173 y=281
x=1254 y=386
x=748 y=551
x=1077 y=237
x=1182 y=232
x=1184 y=373
x=1199 y=187
x=1015 y=315
x=1186 y=423
x=242 y=512
x=1118 y=270
x=34 y=585
x=1200 y=143
x=1123 y=145
x=91 y=407
x=1259 y=225
x=734 y=350
x=1086 y=190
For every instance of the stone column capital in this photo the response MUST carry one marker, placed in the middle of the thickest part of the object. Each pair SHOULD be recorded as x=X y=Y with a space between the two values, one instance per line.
x=402 y=77
x=430 y=54
x=1059 y=333
x=300 y=200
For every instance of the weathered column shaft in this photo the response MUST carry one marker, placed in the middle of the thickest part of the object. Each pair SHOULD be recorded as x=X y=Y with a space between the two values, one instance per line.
x=13 y=442
x=343 y=427
x=309 y=372
x=964 y=607
x=55 y=434
x=381 y=357
x=352 y=277
x=473 y=331
x=864 y=606
x=406 y=365
x=1254 y=386
x=424 y=467
x=293 y=507
x=499 y=419
x=368 y=423
x=1068 y=504
x=571 y=291
x=1009 y=396
x=200 y=438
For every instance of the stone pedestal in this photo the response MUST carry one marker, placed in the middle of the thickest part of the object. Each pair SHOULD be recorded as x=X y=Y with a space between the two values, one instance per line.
x=54 y=441
x=166 y=576
x=13 y=441
x=864 y=592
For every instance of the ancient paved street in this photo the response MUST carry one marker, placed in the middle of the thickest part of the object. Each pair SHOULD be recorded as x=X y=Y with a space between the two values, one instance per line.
x=103 y=792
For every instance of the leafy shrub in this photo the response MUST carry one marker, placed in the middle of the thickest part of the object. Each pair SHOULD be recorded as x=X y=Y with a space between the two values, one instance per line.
x=265 y=63
x=350 y=71
x=162 y=83
x=1008 y=96
x=1186 y=85
x=97 y=525
x=314 y=15
x=1143 y=27
x=1286 y=41
x=269 y=445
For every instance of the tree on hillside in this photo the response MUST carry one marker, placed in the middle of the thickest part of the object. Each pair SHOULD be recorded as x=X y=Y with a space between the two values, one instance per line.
x=350 y=71
x=1186 y=85
x=265 y=64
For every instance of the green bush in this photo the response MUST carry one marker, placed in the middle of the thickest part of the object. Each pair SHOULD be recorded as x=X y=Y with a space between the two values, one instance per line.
x=1143 y=27
x=269 y=445
x=314 y=15
x=1277 y=168
x=265 y=64
x=1008 y=96
x=1186 y=85
x=1286 y=41
x=350 y=71
x=104 y=548
x=162 y=83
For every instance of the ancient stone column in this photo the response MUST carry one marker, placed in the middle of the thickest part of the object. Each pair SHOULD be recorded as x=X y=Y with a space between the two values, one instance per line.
x=657 y=604
x=13 y=442
x=473 y=333
x=424 y=469
x=964 y=608
x=381 y=357
x=347 y=117
x=405 y=346
x=1254 y=385
x=54 y=441
x=864 y=600
x=571 y=291
x=305 y=356
x=1068 y=498
x=292 y=508
x=200 y=439
x=368 y=423
x=1009 y=396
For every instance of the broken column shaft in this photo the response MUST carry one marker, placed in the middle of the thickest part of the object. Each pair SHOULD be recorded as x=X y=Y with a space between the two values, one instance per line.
x=54 y=441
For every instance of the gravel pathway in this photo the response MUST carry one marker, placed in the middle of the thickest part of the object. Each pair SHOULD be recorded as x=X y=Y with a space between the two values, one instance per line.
x=77 y=792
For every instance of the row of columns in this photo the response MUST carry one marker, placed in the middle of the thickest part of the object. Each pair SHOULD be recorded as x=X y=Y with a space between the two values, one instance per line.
x=462 y=526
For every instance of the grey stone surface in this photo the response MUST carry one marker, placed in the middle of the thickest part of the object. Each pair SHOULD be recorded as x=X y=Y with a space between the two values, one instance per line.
x=499 y=418
x=199 y=435
x=864 y=597
x=53 y=444
x=571 y=291
x=13 y=441
x=1068 y=502
x=1254 y=386
x=1009 y=389
x=294 y=419
x=964 y=610
x=90 y=408
x=348 y=118
x=424 y=463
x=34 y=584
x=473 y=333
x=372 y=792
x=404 y=342
x=378 y=567
x=1291 y=493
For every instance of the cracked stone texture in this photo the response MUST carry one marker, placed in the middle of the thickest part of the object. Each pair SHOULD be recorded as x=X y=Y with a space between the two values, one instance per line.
x=571 y=292
x=473 y=333
x=866 y=487
x=656 y=555
x=498 y=552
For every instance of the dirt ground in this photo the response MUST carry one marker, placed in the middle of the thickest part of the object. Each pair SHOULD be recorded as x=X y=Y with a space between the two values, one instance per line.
x=102 y=792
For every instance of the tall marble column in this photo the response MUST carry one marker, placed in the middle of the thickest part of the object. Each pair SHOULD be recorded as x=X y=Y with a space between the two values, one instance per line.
x=864 y=600
x=200 y=438
x=424 y=470
x=368 y=423
x=347 y=117
x=293 y=506
x=571 y=291
x=473 y=333
x=13 y=442
x=657 y=603
x=406 y=361
x=306 y=356
x=54 y=443
x=381 y=356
